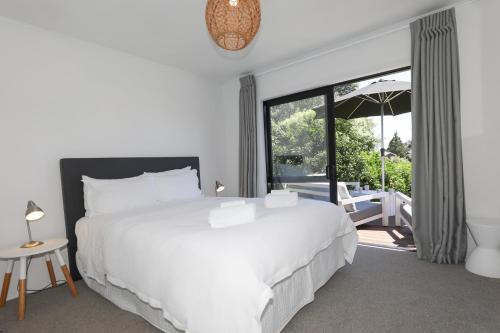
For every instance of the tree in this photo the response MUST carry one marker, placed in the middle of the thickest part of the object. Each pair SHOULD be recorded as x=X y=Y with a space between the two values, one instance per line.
x=397 y=172
x=397 y=146
x=284 y=111
x=299 y=135
x=408 y=149
x=398 y=175
x=345 y=89
x=353 y=137
x=301 y=139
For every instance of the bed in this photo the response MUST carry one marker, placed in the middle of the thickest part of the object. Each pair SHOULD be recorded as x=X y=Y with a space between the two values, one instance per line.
x=167 y=265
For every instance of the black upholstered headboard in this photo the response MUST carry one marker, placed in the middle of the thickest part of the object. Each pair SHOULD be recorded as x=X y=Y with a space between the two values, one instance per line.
x=72 y=170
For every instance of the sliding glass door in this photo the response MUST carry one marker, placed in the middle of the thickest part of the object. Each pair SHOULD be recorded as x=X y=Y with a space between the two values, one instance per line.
x=300 y=143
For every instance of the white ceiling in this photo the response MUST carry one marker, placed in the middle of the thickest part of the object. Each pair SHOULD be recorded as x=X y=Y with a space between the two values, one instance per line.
x=173 y=32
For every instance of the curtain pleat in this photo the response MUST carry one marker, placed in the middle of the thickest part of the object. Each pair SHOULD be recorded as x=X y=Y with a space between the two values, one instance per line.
x=438 y=187
x=248 y=138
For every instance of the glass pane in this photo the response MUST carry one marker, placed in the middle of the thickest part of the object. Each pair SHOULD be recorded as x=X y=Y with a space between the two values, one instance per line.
x=299 y=147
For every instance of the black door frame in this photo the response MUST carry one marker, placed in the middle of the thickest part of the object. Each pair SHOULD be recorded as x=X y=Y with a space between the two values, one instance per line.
x=328 y=91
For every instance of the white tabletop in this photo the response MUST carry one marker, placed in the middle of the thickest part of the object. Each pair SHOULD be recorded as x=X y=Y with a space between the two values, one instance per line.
x=48 y=246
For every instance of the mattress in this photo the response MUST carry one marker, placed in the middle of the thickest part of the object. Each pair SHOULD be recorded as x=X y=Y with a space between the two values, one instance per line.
x=290 y=295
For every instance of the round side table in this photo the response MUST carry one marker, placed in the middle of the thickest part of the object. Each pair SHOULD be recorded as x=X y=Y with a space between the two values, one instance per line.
x=51 y=246
x=485 y=258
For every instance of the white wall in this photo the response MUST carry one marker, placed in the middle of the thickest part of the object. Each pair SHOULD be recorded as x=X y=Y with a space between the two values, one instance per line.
x=479 y=50
x=481 y=114
x=61 y=97
x=230 y=131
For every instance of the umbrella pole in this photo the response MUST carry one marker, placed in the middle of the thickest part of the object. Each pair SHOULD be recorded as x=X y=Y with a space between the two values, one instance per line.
x=382 y=149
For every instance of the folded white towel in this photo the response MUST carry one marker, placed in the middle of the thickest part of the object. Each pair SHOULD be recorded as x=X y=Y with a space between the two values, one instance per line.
x=229 y=216
x=277 y=200
x=232 y=203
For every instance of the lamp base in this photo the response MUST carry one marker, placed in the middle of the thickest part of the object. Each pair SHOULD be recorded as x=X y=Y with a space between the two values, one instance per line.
x=31 y=244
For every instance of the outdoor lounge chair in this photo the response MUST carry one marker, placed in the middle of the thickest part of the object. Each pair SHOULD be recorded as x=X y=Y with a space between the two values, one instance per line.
x=403 y=210
x=361 y=209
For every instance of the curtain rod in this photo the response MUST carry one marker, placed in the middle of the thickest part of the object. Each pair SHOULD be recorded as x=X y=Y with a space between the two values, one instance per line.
x=402 y=25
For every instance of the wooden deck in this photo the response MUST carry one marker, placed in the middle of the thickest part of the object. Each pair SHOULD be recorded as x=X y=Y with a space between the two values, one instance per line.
x=375 y=234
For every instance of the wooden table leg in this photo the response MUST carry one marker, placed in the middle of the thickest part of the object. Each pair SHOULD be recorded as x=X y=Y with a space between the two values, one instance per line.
x=6 y=283
x=22 y=289
x=66 y=273
x=50 y=268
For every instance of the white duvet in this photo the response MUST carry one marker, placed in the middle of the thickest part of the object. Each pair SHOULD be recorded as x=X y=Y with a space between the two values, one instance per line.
x=208 y=280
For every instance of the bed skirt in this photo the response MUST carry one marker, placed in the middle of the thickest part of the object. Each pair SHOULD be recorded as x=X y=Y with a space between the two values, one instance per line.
x=290 y=294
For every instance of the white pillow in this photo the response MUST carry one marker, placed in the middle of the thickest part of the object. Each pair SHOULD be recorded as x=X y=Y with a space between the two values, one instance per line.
x=169 y=172
x=90 y=184
x=103 y=196
x=168 y=187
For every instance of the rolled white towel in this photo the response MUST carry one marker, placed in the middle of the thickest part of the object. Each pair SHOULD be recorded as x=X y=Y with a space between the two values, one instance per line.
x=229 y=216
x=274 y=200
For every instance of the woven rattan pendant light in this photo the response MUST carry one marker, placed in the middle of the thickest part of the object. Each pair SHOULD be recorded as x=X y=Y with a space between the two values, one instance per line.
x=233 y=23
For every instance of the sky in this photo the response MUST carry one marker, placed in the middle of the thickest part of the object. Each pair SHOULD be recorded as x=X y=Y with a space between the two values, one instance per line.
x=400 y=124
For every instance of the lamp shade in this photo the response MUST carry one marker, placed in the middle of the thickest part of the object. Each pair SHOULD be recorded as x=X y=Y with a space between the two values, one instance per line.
x=219 y=187
x=33 y=212
x=233 y=24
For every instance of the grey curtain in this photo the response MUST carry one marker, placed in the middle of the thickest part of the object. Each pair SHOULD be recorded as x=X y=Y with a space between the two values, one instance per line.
x=438 y=186
x=248 y=138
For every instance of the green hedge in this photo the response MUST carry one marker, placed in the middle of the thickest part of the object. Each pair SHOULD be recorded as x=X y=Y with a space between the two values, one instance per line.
x=397 y=172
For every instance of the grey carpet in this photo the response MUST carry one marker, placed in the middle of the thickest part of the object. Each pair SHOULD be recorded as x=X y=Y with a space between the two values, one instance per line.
x=384 y=291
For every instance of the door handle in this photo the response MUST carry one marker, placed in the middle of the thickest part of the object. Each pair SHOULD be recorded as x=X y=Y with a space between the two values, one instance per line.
x=328 y=171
